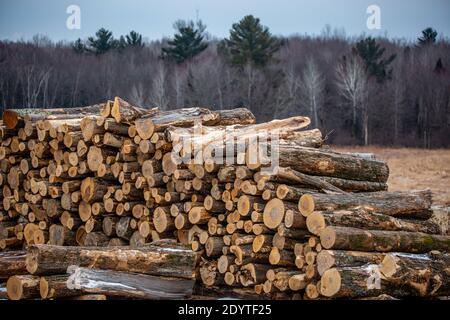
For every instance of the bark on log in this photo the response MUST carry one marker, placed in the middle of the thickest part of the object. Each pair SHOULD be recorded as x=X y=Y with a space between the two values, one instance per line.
x=364 y=219
x=425 y=275
x=12 y=263
x=12 y=117
x=414 y=279
x=345 y=238
x=414 y=204
x=123 y=111
x=51 y=287
x=327 y=259
x=175 y=261
x=127 y=284
x=323 y=163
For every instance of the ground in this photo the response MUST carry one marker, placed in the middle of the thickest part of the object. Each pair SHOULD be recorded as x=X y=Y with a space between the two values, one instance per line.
x=414 y=169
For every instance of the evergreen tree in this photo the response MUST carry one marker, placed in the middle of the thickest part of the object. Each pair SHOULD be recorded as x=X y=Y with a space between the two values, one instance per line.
x=102 y=42
x=250 y=43
x=78 y=46
x=372 y=55
x=187 y=42
x=121 y=43
x=428 y=37
x=134 y=39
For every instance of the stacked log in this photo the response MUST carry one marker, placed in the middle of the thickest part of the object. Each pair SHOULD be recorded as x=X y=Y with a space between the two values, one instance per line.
x=154 y=271
x=115 y=174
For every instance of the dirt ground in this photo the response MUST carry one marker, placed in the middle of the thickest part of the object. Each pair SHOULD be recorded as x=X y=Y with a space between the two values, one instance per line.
x=414 y=169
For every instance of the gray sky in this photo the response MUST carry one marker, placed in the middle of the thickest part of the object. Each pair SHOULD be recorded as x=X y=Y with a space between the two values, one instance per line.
x=154 y=18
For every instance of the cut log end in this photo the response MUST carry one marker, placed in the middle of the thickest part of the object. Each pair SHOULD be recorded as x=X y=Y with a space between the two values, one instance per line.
x=327 y=237
x=14 y=288
x=306 y=204
x=10 y=119
x=388 y=266
x=330 y=282
x=315 y=222
x=43 y=288
x=273 y=213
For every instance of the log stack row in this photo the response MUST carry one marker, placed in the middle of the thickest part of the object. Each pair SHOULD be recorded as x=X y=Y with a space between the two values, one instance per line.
x=162 y=270
x=320 y=225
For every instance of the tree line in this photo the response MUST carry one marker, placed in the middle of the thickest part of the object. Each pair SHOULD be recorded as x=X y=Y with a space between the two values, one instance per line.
x=359 y=90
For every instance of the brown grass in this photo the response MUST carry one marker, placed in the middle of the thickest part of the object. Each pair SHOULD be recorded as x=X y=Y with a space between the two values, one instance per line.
x=414 y=169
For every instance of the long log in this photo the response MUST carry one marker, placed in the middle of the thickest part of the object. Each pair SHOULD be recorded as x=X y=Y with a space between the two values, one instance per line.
x=286 y=129
x=187 y=117
x=399 y=275
x=127 y=284
x=327 y=259
x=346 y=238
x=364 y=219
x=321 y=163
x=155 y=260
x=414 y=204
x=11 y=117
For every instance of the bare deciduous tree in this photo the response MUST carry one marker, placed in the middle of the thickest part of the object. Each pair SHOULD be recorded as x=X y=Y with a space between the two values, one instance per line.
x=352 y=85
x=159 y=94
x=312 y=89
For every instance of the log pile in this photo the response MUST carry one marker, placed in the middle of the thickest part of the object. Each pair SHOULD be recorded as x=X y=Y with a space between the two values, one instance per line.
x=320 y=225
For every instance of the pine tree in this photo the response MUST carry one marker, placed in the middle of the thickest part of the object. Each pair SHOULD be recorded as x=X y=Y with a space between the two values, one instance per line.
x=428 y=37
x=121 y=43
x=250 y=43
x=372 y=55
x=102 y=42
x=78 y=46
x=187 y=42
x=134 y=39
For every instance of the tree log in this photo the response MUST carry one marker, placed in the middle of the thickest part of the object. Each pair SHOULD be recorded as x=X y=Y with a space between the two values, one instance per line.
x=424 y=275
x=12 y=263
x=414 y=204
x=23 y=287
x=327 y=259
x=364 y=219
x=170 y=262
x=345 y=238
x=51 y=287
x=323 y=163
x=12 y=117
x=127 y=284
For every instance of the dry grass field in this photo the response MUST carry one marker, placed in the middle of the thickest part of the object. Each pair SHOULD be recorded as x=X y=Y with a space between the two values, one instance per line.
x=414 y=169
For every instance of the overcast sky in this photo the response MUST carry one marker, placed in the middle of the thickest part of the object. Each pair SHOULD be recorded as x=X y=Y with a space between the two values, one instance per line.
x=154 y=18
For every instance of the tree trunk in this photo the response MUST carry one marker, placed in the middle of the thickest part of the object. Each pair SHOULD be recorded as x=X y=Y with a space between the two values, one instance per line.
x=127 y=284
x=327 y=259
x=344 y=238
x=414 y=204
x=55 y=287
x=12 y=117
x=177 y=262
x=360 y=218
x=324 y=163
